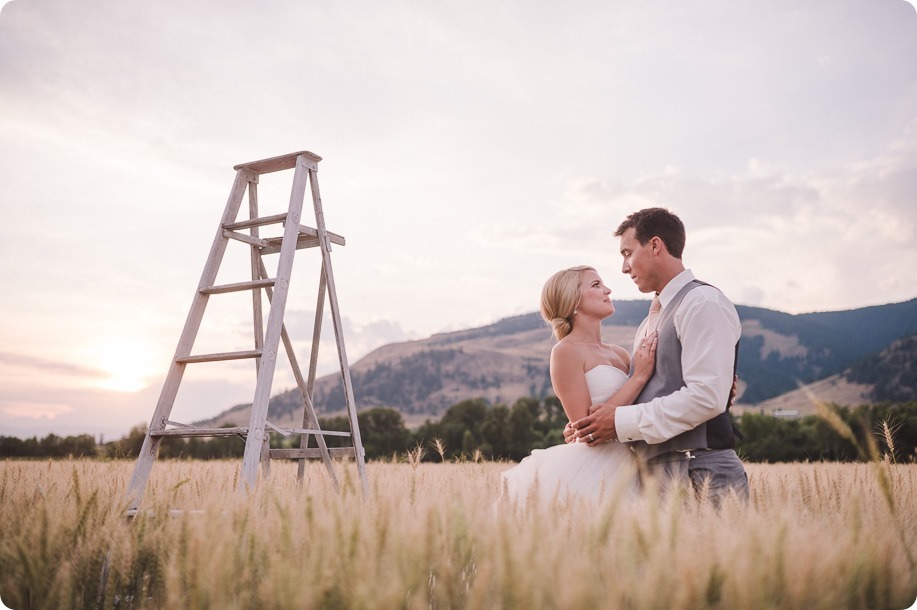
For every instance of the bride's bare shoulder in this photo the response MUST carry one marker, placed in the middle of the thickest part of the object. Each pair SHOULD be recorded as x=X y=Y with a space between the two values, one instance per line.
x=566 y=349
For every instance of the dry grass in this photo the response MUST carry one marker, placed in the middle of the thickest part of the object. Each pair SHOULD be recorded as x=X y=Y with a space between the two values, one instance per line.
x=434 y=536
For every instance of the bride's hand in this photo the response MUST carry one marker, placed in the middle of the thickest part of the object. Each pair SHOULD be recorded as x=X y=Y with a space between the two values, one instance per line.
x=644 y=362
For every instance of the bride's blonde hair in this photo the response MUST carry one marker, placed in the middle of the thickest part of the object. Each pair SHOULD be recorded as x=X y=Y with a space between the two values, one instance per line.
x=559 y=298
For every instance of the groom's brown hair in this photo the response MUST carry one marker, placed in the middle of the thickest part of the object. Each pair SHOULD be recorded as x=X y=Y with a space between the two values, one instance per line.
x=656 y=222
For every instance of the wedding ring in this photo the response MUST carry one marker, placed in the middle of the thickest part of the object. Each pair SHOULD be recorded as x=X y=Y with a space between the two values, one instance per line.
x=591 y=438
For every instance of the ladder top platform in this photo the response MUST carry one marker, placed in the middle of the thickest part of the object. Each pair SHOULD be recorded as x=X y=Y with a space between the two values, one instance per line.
x=276 y=164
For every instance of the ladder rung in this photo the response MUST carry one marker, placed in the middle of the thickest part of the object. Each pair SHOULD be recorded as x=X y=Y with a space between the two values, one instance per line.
x=289 y=431
x=252 y=285
x=248 y=239
x=311 y=453
x=255 y=353
x=256 y=222
x=183 y=430
x=187 y=432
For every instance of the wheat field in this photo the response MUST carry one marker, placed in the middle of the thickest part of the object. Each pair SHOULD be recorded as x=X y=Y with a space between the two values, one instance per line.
x=821 y=535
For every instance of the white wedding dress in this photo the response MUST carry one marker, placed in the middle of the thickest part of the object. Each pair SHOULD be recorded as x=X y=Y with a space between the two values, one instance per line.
x=561 y=472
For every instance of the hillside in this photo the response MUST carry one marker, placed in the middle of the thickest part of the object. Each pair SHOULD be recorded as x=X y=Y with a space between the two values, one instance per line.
x=824 y=344
x=892 y=372
x=504 y=361
x=889 y=376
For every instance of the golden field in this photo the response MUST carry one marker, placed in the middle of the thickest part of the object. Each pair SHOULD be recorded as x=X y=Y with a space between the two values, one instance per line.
x=820 y=535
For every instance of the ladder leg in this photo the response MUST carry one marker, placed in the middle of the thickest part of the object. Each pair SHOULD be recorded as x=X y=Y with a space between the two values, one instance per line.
x=325 y=246
x=256 y=431
x=192 y=324
x=258 y=314
x=309 y=419
x=266 y=455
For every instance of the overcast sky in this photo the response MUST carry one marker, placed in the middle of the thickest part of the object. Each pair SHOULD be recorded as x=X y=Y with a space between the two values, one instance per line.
x=470 y=149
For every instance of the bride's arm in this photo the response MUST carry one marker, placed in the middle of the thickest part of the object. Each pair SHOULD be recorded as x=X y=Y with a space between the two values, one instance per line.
x=569 y=381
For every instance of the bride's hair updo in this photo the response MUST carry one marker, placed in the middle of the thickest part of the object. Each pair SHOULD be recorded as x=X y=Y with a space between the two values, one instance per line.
x=559 y=298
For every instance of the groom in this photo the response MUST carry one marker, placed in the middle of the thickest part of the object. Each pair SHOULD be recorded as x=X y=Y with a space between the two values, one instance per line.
x=680 y=427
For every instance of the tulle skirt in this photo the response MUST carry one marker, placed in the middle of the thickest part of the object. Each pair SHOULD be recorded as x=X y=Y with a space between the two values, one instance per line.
x=572 y=472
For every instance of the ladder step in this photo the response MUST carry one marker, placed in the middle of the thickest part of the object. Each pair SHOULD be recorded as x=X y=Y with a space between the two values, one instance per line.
x=255 y=353
x=188 y=432
x=311 y=453
x=307 y=238
x=302 y=241
x=332 y=237
x=275 y=164
x=252 y=285
x=289 y=431
x=255 y=222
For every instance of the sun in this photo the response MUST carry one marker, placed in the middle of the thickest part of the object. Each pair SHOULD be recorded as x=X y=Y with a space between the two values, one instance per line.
x=126 y=364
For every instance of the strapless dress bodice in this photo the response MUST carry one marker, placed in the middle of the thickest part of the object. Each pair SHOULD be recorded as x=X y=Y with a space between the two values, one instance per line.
x=603 y=381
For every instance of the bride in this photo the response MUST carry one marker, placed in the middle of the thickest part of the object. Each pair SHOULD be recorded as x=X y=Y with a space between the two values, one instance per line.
x=584 y=371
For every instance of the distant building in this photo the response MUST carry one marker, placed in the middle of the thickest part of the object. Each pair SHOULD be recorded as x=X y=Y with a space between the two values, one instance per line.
x=788 y=413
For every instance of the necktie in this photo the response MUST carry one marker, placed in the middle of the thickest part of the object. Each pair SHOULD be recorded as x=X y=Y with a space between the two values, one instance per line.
x=652 y=320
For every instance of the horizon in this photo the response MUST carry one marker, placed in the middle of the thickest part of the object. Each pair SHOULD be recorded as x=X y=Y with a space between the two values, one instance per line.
x=469 y=151
x=118 y=435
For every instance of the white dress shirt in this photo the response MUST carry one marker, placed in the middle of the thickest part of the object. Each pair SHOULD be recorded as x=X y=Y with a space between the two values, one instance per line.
x=708 y=327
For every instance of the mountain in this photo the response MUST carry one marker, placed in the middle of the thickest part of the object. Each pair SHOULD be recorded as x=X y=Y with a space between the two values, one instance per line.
x=504 y=361
x=892 y=372
x=888 y=376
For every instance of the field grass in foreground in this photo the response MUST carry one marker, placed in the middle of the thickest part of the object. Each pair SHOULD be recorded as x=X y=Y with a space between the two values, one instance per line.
x=822 y=535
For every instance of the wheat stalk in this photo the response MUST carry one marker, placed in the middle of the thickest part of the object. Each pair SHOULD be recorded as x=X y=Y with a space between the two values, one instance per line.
x=813 y=535
x=871 y=453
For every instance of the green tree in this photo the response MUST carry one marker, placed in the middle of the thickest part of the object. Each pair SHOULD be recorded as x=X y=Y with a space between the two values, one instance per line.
x=551 y=421
x=495 y=433
x=383 y=432
x=466 y=415
x=338 y=423
x=128 y=447
x=83 y=445
x=521 y=429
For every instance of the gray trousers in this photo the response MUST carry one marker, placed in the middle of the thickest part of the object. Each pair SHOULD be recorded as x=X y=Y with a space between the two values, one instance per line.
x=711 y=473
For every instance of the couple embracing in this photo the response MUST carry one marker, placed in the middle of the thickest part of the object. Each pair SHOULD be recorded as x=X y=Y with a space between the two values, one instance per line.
x=659 y=412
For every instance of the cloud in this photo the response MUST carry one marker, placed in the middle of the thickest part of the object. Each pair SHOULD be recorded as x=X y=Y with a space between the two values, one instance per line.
x=359 y=339
x=12 y=360
x=34 y=410
x=796 y=236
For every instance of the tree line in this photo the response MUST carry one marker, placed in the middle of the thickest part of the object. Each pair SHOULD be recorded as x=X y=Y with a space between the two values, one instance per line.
x=474 y=429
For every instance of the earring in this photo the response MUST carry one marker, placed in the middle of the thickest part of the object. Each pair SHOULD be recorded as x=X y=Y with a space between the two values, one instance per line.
x=575 y=311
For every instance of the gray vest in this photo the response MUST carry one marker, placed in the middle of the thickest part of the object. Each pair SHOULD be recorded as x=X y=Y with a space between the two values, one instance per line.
x=716 y=433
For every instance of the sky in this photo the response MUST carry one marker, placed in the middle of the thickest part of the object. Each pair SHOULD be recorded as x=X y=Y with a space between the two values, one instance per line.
x=470 y=149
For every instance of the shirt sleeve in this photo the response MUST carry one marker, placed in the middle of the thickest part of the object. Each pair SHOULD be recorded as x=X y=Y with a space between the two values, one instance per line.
x=708 y=327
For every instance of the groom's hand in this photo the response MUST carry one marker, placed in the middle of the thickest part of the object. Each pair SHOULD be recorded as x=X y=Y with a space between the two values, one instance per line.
x=596 y=428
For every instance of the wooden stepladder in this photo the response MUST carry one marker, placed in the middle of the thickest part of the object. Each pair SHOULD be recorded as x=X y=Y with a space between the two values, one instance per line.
x=267 y=339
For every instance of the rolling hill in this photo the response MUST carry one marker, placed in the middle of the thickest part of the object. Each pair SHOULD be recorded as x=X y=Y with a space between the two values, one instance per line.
x=504 y=361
